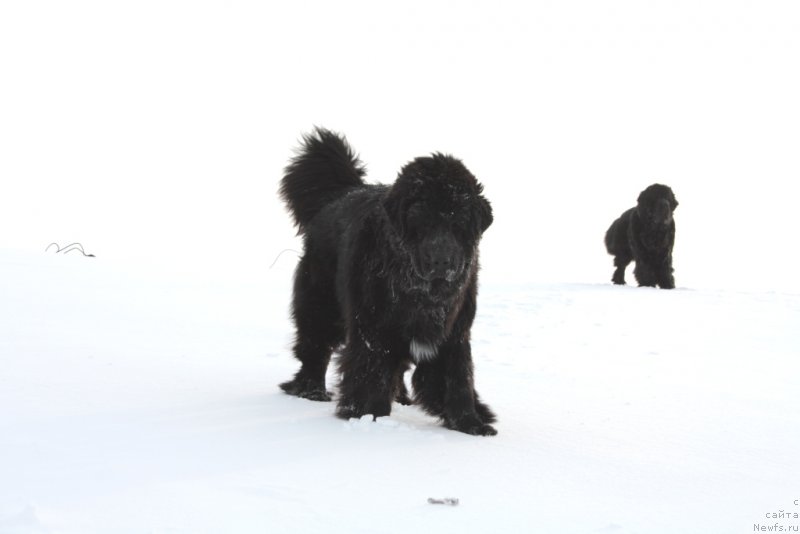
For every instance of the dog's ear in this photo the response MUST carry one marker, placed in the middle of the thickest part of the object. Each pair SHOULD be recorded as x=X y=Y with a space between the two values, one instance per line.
x=673 y=202
x=485 y=213
x=396 y=205
x=393 y=205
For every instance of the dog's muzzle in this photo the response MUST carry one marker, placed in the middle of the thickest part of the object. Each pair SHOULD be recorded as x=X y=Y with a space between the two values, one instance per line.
x=662 y=212
x=440 y=257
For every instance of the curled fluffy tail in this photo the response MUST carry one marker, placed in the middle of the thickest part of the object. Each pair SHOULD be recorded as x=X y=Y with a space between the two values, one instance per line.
x=324 y=169
x=609 y=240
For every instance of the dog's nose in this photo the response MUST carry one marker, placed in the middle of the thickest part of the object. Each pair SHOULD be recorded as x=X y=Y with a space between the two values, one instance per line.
x=437 y=264
x=440 y=257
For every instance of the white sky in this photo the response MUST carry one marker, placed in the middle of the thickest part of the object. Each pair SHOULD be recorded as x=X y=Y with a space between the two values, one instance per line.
x=157 y=131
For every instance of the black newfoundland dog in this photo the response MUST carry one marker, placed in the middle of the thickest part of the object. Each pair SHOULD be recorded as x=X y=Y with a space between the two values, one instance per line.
x=388 y=278
x=645 y=234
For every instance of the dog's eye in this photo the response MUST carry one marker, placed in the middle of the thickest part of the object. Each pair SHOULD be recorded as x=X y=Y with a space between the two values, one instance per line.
x=463 y=222
x=415 y=218
x=460 y=217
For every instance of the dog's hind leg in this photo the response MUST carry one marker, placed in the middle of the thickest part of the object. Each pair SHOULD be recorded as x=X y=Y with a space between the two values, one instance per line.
x=319 y=332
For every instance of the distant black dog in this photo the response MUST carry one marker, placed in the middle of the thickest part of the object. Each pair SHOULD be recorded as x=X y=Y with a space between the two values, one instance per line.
x=388 y=278
x=645 y=234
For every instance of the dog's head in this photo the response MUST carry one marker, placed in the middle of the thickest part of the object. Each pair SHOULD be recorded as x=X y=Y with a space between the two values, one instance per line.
x=656 y=204
x=437 y=208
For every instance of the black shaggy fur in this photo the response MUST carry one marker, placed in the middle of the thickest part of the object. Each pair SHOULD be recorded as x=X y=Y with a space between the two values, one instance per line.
x=388 y=278
x=645 y=234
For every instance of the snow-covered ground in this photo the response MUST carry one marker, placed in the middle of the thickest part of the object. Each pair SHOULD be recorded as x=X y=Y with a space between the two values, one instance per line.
x=138 y=389
x=137 y=401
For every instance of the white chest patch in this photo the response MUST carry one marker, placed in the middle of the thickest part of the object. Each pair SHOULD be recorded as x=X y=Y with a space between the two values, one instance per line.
x=422 y=351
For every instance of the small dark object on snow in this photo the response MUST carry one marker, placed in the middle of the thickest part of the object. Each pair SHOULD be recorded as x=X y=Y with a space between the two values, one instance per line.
x=452 y=501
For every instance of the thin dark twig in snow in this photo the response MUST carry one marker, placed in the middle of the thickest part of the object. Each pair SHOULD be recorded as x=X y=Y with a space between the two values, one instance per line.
x=73 y=246
x=69 y=248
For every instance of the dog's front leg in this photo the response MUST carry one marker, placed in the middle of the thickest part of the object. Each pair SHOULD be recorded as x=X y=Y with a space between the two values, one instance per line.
x=645 y=274
x=367 y=385
x=666 y=280
x=463 y=410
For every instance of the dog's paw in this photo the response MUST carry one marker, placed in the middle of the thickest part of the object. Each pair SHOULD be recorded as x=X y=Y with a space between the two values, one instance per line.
x=667 y=283
x=348 y=409
x=471 y=424
x=484 y=430
x=319 y=395
x=403 y=398
x=307 y=389
x=484 y=412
